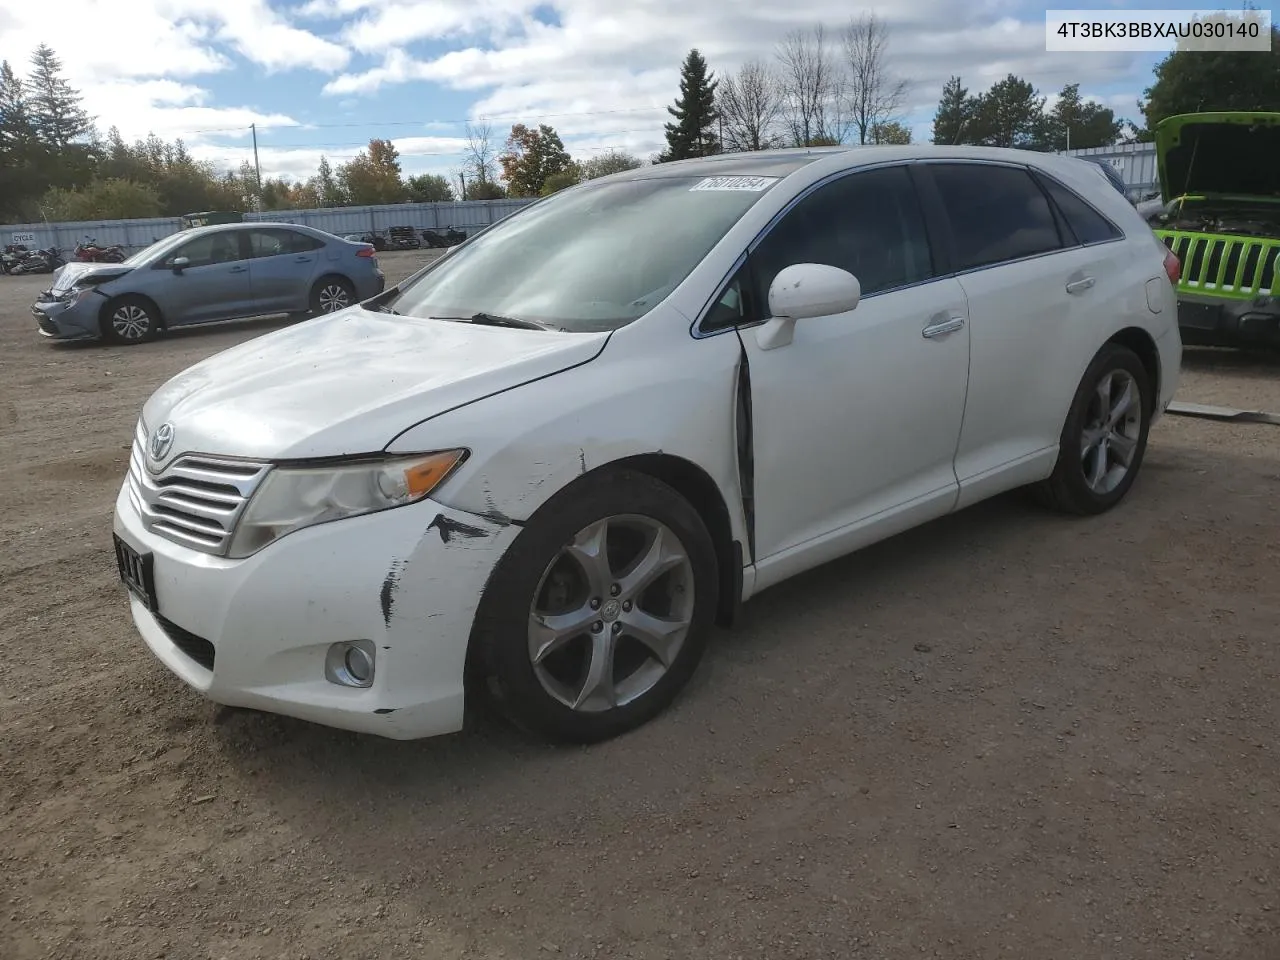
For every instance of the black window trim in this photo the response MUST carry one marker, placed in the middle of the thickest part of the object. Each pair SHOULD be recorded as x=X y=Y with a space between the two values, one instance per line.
x=1041 y=175
x=937 y=253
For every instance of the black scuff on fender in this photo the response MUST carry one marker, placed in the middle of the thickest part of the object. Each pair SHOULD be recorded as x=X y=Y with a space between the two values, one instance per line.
x=385 y=710
x=389 y=587
x=449 y=528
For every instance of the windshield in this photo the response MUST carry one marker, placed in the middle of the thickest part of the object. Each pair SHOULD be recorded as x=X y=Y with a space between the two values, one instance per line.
x=158 y=247
x=591 y=259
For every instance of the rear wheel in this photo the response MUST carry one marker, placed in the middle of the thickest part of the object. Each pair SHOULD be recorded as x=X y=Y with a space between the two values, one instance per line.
x=601 y=609
x=1105 y=436
x=129 y=320
x=331 y=294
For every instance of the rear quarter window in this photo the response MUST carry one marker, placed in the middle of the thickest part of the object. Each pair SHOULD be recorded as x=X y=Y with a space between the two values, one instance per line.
x=1088 y=225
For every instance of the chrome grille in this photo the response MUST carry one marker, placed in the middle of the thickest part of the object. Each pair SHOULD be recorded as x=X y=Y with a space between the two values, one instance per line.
x=196 y=500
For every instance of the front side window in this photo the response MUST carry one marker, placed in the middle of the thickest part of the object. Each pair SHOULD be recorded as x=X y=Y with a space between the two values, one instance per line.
x=869 y=224
x=591 y=259
x=997 y=213
x=221 y=247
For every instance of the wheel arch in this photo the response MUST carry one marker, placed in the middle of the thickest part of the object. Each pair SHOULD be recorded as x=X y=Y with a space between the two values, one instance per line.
x=1144 y=345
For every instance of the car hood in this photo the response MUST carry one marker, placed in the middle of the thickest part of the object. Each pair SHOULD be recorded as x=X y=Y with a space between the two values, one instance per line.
x=66 y=276
x=349 y=383
x=1207 y=154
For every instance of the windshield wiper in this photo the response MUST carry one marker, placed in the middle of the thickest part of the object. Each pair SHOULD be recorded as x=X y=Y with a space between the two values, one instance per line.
x=493 y=320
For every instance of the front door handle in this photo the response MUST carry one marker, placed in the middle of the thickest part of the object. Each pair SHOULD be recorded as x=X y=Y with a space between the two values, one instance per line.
x=941 y=328
x=1081 y=285
x=302 y=260
x=237 y=270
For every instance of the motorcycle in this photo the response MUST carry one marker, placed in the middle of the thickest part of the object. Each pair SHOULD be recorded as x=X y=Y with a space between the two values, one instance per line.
x=91 y=252
x=12 y=255
x=39 y=261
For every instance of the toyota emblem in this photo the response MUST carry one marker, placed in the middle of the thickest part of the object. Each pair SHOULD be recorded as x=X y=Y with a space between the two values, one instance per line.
x=161 y=442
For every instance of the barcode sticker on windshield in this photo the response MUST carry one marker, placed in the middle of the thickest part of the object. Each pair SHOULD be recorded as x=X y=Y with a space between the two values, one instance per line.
x=752 y=184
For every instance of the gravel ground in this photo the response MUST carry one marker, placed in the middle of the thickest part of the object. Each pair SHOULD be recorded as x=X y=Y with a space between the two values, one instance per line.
x=1003 y=735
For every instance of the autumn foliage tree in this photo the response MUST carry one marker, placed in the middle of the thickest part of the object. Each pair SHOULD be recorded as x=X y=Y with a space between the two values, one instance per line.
x=532 y=157
x=374 y=176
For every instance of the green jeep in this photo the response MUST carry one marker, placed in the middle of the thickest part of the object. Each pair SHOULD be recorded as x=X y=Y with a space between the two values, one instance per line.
x=1220 y=185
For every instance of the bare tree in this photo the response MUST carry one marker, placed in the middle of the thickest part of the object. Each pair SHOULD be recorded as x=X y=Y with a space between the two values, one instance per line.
x=872 y=95
x=481 y=154
x=811 y=85
x=750 y=104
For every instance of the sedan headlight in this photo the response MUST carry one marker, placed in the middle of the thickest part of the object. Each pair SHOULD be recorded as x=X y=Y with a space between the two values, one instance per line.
x=292 y=498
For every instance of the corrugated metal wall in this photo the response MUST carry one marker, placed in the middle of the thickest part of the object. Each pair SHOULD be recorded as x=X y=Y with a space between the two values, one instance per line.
x=136 y=234
x=1136 y=163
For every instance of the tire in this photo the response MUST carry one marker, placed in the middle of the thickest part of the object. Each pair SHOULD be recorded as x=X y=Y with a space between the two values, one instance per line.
x=129 y=320
x=539 y=578
x=1078 y=485
x=331 y=294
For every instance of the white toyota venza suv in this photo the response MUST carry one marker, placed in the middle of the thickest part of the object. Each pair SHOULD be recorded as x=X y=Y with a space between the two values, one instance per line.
x=544 y=466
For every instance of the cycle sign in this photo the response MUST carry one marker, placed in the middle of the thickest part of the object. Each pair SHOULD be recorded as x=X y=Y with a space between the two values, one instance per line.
x=24 y=238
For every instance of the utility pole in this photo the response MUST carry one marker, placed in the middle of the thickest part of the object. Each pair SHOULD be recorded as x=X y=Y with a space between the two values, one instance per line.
x=253 y=128
x=462 y=178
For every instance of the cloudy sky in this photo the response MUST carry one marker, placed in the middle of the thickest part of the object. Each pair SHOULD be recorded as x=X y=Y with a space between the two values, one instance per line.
x=323 y=76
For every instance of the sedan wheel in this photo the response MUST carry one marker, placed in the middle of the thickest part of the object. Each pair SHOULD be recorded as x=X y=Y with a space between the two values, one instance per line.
x=129 y=320
x=599 y=611
x=611 y=613
x=331 y=295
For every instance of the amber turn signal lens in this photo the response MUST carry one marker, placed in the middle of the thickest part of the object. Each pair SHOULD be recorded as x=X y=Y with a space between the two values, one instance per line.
x=422 y=477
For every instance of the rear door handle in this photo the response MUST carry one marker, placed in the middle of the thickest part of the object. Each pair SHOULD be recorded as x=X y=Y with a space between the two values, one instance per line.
x=1081 y=285
x=302 y=260
x=237 y=270
x=941 y=328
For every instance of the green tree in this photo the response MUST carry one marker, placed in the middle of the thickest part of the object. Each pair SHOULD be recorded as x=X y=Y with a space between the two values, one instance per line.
x=1196 y=81
x=890 y=131
x=325 y=186
x=1075 y=123
x=1010 y=114
x=693 y=132
x=373 y=177
x=429 y=188
x=559 y=181
x=56 y=113
x=102 y=200
x=21 y=155
x=484 y=190
x=954 y=114
x=604 y=164
x=532 y=157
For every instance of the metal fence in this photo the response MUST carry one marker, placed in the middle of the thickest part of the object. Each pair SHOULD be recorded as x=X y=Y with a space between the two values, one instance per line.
x=468 y=217
x=1135 y=162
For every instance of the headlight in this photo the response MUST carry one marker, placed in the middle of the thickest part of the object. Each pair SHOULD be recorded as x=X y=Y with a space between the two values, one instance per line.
x=292 y=498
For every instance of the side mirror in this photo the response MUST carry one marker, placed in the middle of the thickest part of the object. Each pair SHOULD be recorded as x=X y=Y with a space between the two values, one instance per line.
x=179 y=264
x=806 y=290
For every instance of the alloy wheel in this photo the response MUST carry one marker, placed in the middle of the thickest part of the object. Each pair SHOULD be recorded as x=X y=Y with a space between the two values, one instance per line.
x=611 y=613
x=1112 y=431
x=333 y=298
x=130 y=322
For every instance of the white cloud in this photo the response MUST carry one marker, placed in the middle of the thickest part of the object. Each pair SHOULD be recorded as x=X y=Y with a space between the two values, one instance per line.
x=603 y=74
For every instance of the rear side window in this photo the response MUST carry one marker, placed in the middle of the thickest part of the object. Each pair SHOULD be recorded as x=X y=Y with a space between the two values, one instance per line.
x=997 y=213
x=1086 y=223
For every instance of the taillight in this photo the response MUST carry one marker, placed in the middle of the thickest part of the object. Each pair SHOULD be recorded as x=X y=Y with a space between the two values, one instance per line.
x=365 y=252
x=1172 y=267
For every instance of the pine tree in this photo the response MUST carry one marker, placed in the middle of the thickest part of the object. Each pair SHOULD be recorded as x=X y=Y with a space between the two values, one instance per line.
x=55 y=106
x=693 y=134
x=955 y=110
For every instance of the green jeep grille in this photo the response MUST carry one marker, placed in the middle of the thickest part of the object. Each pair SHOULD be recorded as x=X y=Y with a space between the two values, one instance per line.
x=1233 y=268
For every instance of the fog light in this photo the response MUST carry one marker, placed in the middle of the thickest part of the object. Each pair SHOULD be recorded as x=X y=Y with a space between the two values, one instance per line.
x=350 y=663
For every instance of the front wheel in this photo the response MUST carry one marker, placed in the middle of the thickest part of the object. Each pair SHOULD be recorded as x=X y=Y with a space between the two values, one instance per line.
x=1104 y=438
x=129 y=320
x=600 y=611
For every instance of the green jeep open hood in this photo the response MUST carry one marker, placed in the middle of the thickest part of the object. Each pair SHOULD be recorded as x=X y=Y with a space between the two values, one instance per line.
x=1217 y=154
